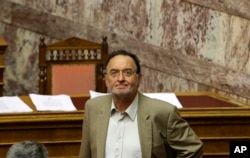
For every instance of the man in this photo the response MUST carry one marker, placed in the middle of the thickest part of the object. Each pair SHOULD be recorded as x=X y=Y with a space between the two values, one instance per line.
x=127 y=124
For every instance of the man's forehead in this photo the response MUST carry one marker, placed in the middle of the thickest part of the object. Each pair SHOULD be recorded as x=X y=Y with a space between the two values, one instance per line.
x=120 y=56
x=120 y=60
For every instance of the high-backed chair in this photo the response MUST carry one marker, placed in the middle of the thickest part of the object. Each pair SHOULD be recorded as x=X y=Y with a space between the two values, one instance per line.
x=72 y=66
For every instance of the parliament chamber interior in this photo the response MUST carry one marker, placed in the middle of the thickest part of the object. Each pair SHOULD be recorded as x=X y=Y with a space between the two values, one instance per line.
x=216 y=119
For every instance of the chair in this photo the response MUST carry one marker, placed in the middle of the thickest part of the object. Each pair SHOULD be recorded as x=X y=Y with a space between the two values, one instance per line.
x=72 y=66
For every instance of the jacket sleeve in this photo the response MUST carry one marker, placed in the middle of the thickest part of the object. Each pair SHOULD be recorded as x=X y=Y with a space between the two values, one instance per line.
x=85 y=151
x=181 y=138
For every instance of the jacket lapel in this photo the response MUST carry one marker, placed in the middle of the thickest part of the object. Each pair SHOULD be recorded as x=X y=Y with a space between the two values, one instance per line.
x=102 y=124
x=144 y=127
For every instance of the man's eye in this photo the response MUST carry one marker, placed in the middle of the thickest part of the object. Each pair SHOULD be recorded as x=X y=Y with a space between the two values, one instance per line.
x=114 y=73
x=127 y=72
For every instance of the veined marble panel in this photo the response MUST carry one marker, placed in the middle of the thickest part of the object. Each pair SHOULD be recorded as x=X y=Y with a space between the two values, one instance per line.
x=21 y=61
x=239 y=8
x=69 y=9
x=237 y=54
x=156 y=81
x=191 y=29
x=190 y=47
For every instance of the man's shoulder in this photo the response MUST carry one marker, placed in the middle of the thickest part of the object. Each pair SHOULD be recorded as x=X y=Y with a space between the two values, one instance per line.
x=99 y=99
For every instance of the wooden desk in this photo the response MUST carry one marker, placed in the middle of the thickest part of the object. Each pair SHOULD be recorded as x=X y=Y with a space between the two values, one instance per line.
x=59 y=131
x=216 y=120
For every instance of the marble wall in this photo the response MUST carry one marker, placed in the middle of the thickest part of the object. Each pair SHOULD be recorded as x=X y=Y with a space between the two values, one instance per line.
x=184 y=45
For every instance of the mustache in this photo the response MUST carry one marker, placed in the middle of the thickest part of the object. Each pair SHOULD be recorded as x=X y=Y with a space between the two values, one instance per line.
x=121 y=84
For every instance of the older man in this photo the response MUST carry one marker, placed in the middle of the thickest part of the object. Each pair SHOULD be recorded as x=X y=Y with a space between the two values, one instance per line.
x=127 y=124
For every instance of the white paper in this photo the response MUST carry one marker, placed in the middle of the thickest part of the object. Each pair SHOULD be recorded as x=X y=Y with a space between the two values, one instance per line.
x=12 y=104
x=52 y=102
x=167 y=97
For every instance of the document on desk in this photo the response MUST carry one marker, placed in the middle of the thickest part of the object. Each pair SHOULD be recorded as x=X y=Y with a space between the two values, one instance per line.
x=52 y=102
x=12 y=104
x=94 y=94
x=167 y=97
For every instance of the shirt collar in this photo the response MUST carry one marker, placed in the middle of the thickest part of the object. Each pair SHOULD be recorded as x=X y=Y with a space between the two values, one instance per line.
x=130 y=111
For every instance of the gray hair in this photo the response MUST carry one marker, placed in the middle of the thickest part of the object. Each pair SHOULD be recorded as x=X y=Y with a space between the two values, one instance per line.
x=27 y=149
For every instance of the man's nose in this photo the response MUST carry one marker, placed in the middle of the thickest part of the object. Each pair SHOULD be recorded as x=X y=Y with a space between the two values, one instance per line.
x=121 y=76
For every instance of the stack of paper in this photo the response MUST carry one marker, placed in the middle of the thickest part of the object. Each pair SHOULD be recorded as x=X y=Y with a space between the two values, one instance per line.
x=12 y=104
x=167 y=97
x=94 y=94
x=52 y=102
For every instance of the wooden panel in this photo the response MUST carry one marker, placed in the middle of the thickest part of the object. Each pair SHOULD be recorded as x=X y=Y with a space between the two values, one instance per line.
x=216 y=125
x=1 y=58
x=1 y=88
x=56 y=149
x=1 y=72
x=217 y=120
x=3 y=46
x=60 y=132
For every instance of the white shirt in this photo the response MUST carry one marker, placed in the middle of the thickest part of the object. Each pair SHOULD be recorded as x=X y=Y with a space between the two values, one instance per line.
x=123 y=138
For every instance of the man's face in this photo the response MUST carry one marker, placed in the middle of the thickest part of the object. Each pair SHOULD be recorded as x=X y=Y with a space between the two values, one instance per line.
x=121 y=78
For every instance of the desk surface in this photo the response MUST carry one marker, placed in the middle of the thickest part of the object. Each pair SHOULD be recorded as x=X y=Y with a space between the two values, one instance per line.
x=202 y=104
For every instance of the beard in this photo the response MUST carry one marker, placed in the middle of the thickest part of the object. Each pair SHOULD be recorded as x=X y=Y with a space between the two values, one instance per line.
x=127 y=91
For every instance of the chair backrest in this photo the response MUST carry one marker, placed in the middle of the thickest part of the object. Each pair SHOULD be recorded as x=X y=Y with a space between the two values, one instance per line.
x=72 y=66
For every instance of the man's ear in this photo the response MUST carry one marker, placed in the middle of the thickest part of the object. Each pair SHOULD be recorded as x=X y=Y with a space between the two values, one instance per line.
x=139 y=77
x=106 y=81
